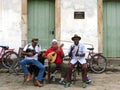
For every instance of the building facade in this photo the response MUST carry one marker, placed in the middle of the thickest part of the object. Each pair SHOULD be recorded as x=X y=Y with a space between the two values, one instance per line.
x=22 y=20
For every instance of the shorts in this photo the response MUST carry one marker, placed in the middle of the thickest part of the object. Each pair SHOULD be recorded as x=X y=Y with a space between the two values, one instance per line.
x=80 y=60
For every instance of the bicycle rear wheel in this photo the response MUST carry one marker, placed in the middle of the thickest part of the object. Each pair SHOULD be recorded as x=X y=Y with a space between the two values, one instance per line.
x=9 y=58
x=98 y=63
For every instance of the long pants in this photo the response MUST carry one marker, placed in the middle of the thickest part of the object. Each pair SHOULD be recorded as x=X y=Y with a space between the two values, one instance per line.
x=24 y=63
x=84 y=72
x=62 y=66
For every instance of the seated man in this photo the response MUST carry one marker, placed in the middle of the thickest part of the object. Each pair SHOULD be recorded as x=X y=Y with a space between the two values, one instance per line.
x=55 y=54
x=77 y=53
x=31 y=52
x=34 y=69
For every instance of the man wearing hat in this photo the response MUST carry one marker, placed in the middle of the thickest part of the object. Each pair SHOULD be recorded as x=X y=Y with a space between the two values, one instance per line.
x=31 y=52
x=77 y=53
x=55 y=54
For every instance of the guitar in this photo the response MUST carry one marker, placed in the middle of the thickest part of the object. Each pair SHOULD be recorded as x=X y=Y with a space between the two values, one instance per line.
x=52 y=55
x=32 y=51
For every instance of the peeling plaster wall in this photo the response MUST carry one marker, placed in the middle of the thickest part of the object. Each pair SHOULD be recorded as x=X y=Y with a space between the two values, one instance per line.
x=86 y=28
x=10 y=23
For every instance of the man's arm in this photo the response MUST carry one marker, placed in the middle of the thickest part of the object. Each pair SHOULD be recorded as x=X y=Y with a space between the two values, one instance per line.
x=70 y=52
x=24 y=51
x=27 y=53
x=83 y=52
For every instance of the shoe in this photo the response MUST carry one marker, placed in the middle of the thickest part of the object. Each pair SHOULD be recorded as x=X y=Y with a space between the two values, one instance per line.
x=62 y=82
x=37 y=83
x=68 y=84
x=28 y=77
x=88 y=80
x=84 y=85
x=53 y=78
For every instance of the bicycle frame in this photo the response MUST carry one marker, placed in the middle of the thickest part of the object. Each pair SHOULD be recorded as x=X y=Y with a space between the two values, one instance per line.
x=91 y=53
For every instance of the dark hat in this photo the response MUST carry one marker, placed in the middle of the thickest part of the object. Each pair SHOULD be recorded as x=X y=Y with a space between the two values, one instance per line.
x=76 y=36
x=35 y=40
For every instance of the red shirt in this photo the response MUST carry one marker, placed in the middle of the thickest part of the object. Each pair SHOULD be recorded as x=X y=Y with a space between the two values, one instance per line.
x=59 y=57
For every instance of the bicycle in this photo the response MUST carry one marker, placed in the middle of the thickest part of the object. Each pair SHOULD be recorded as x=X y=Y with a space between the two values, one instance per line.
x=16 y=67
x=7 y=56
x=96 y=61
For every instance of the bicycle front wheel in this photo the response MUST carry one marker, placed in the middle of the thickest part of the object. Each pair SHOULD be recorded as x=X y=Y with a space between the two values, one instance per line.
x=9 y=59
x=18 y=69
x=98 y=63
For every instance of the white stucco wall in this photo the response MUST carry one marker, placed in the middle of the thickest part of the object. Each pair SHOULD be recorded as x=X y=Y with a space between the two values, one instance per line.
x=10 y=23
x=86 y=28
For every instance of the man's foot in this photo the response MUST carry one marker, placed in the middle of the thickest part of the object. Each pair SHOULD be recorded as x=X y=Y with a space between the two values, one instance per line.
x=62 y=82
x=88 y=80
x=68 y=84
x=84 y=85
x=28 y=77
x=37 y=83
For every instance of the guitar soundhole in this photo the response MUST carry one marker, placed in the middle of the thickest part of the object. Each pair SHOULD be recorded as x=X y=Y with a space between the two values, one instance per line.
x=53 y=54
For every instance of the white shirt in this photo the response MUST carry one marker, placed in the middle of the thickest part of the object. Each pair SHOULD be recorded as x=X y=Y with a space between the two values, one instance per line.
x=81 y=49
x=37 y=49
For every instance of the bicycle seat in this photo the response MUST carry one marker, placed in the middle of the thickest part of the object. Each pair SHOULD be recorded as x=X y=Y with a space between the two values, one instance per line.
x=90 y=48
x=5 y=47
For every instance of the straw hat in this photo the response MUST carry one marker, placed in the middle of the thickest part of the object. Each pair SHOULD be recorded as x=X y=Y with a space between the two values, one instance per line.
x=76 y=36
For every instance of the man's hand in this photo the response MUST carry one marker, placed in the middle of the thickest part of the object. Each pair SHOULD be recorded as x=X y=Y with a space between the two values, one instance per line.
x=81 y=55
x=77 y=54
x=30 y=54
x=39 y=53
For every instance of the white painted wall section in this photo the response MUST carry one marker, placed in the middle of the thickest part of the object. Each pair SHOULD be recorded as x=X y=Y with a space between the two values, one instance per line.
x=86 y=28
x=10 y=23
